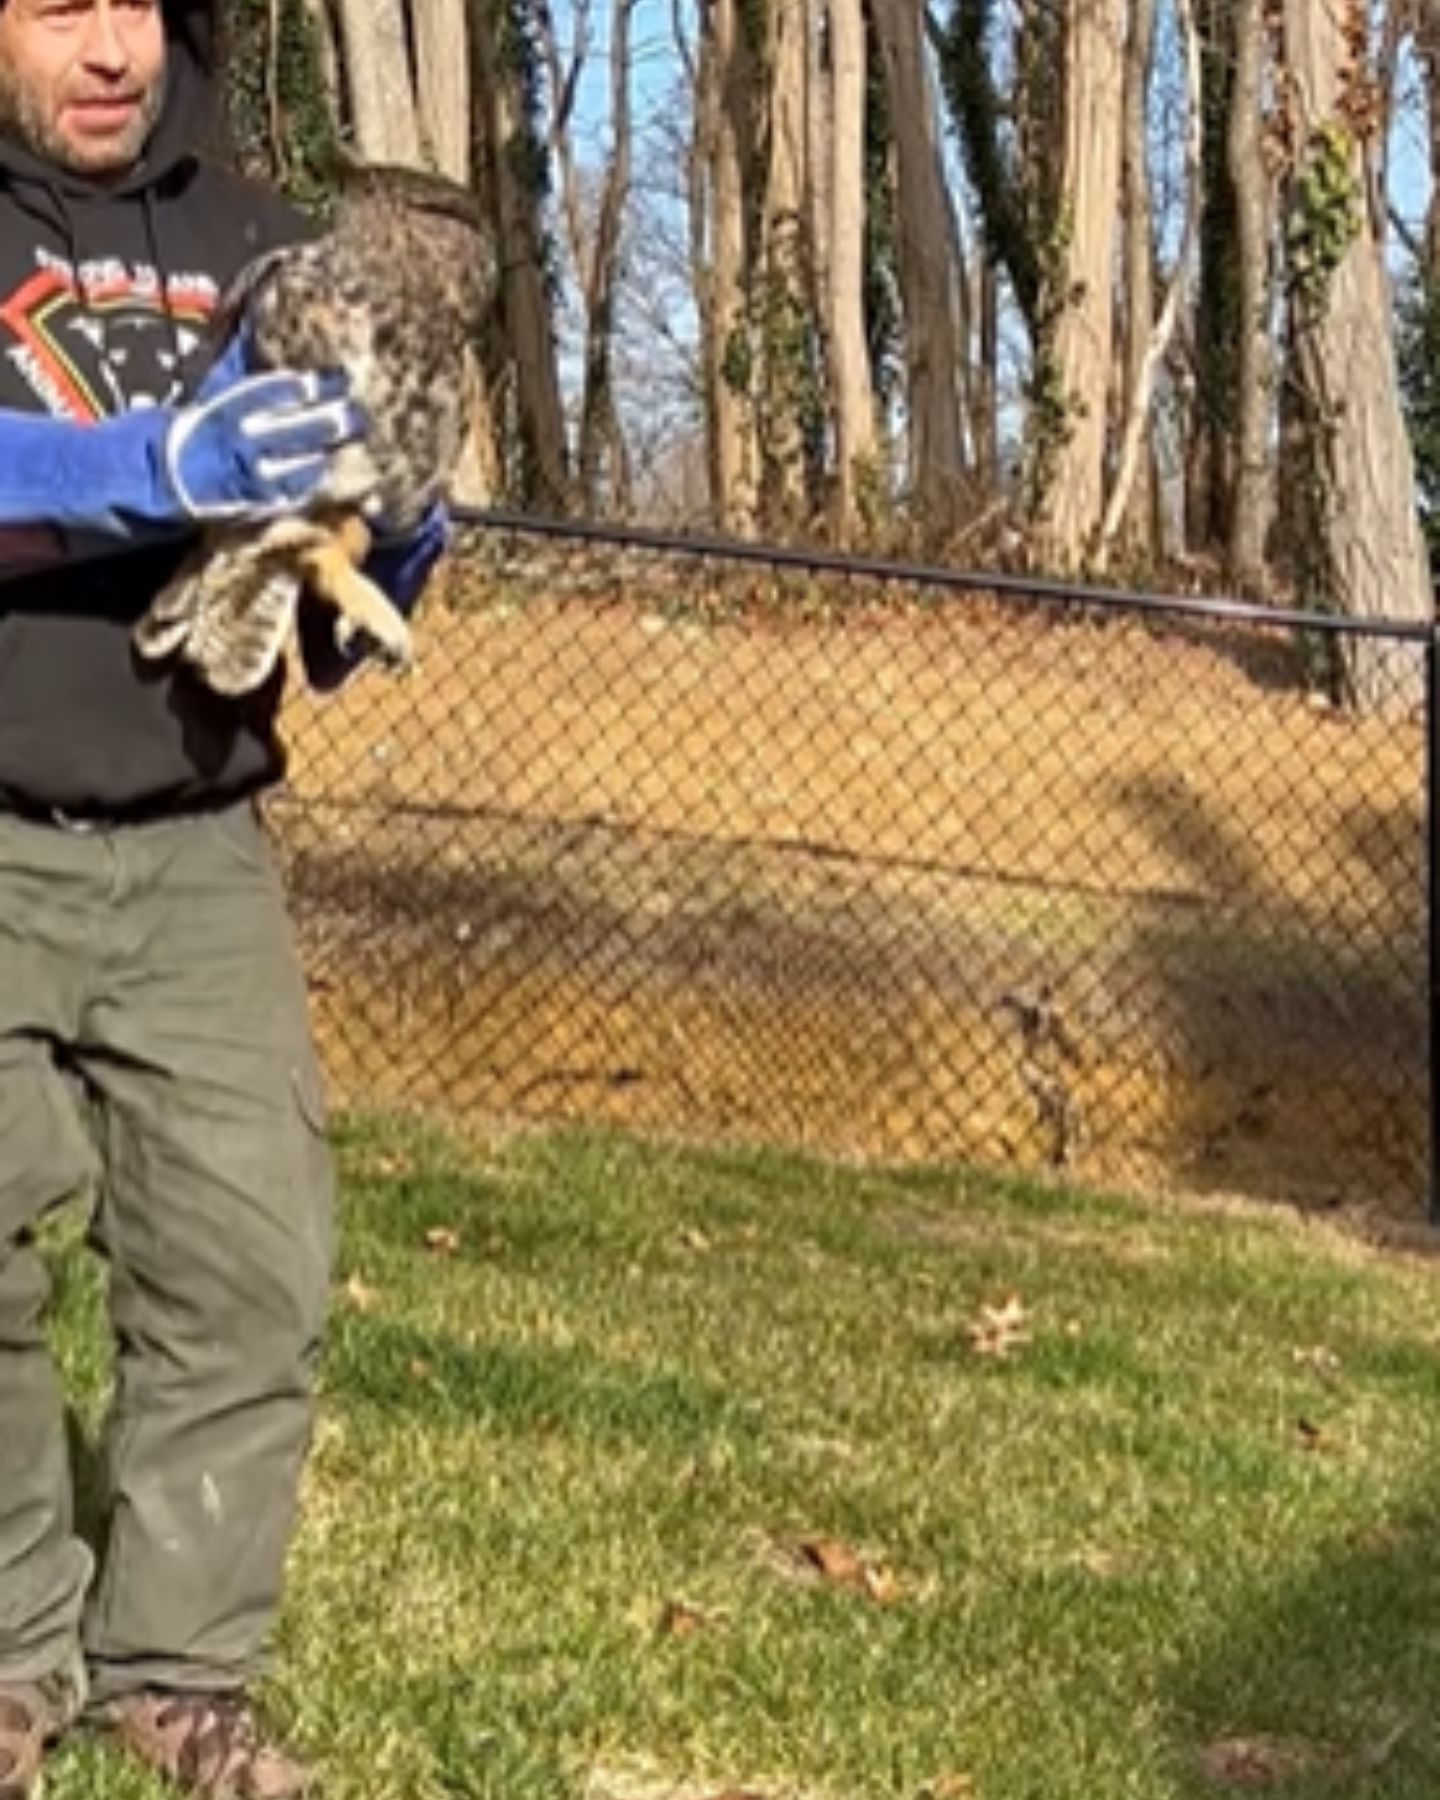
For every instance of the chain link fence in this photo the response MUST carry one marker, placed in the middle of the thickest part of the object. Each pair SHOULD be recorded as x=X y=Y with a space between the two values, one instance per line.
x=874 y=868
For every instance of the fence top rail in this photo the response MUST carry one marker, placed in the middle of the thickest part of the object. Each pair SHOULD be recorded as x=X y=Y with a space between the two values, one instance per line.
x=1045 y=589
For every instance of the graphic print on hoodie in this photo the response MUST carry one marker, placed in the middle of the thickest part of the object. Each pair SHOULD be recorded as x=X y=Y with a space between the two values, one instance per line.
x=106 y=337
x=105 y=293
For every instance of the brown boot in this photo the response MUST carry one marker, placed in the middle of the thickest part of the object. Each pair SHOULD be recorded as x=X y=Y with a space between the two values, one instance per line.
x=210 y=1744
x=29 y=1721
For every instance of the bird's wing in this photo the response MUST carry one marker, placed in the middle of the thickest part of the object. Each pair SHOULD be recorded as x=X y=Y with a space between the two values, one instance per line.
x=239 y=635
x=229 y=610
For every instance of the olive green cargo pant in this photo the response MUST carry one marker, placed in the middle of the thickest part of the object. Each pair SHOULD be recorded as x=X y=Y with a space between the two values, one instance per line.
x=154 y=1048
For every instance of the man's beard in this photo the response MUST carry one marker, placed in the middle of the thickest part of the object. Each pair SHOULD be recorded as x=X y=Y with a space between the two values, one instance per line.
x=23 y=117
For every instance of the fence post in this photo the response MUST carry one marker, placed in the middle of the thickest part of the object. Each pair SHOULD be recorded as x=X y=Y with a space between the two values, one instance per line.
x=1432 y=907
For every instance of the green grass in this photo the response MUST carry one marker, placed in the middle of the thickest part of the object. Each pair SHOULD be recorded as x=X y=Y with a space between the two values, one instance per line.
x=642 y=1376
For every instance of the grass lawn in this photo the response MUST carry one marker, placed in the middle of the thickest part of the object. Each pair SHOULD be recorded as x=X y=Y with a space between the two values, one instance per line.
x=645 y=1472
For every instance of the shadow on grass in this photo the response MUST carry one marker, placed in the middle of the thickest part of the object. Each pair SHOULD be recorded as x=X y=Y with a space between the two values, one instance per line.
x=521 y=1390
x=1328 y=1684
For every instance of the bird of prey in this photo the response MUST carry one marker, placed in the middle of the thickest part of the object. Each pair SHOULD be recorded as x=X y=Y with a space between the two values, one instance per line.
x=392 y=293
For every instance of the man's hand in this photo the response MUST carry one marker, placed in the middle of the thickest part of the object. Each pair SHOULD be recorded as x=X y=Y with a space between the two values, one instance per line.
x=259 y=448
x=247 y=447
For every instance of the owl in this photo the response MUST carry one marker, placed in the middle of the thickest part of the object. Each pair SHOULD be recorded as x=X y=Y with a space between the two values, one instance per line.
x=393 y=293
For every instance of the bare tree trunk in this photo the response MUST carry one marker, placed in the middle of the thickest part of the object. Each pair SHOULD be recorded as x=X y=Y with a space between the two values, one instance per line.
x=820 y=152
x=564 y=79
x=327 y=50
x=602 y=444
x=851 y=389
x=503 y=129
x=1134 y=441
x=1396 y=23
x=1071 y=506
x=1254 y=400
x=1210 y=440
x=1374 y=560
x=986 y=383
x=442 y=84
x=786 y=393
x=1139 y=277
x=1427 y=43
x=973 y=424
x=378 y=82
x=927 y=275
x=723 y=138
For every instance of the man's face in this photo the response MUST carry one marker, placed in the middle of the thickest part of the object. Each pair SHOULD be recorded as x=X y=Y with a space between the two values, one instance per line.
x=82 y=81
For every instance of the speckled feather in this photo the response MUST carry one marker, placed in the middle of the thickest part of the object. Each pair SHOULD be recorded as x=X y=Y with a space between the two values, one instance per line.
x=392 y=294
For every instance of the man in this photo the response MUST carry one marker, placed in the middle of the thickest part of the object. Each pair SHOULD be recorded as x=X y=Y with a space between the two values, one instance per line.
x=152 y=1018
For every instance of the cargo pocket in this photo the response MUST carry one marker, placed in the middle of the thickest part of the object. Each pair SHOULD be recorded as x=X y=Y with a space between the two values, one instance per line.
x=316 y=1174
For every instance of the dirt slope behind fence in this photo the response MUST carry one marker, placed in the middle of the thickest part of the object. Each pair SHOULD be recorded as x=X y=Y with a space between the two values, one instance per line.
x=850 y=870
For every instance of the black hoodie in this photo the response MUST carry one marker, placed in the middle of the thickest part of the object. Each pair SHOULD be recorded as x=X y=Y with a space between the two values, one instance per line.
x=105 y=291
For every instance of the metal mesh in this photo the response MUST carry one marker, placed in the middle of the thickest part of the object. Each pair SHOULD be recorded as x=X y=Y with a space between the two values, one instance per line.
x=744 y=855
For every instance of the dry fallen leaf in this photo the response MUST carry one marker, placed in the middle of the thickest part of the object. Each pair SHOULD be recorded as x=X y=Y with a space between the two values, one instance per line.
x=1259 y=1761
x=693 y=1238
x=679 y=1619
x=420 y=1370
x=997 y=1330
x=953 y=1786
x=360 y=1295
x=640 y=1781
x=1322 y=1363
x=385 y=1163
x=838 y=1563
x=834 y=1560
x=880 y=1583
x=1105 y=1564
x=1315 y=1437
x=444 y=1240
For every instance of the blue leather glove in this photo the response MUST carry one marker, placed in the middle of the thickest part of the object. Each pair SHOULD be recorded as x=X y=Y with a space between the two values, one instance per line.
x=253 y=448
x=400 y=564
x=259 y=449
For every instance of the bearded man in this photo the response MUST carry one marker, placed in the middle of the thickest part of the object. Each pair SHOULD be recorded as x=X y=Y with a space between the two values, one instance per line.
x=154 y=1050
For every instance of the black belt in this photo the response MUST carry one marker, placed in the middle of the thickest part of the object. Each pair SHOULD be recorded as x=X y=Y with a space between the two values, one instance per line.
x=85 y=818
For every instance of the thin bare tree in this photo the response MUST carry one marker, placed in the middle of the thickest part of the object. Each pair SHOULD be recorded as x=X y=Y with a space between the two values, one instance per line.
x=1149 y=356
x=926 y=271
x=723 y=148
x=843 y=248
x=787 y=396
x=1254 y=189
x=1137 y=286
x=504 y=140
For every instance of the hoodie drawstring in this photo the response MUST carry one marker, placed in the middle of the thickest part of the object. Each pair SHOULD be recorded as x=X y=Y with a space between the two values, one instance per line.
x=162 y=276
